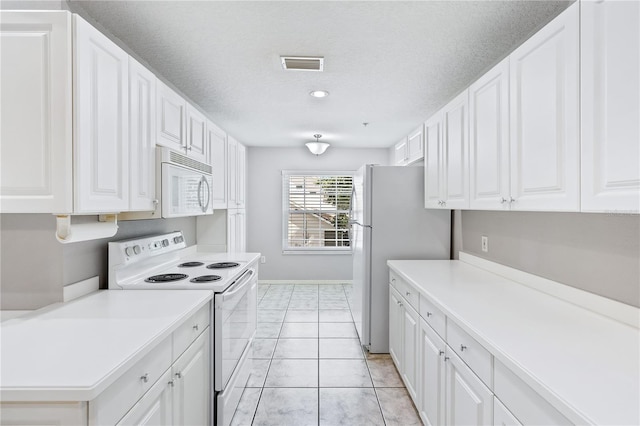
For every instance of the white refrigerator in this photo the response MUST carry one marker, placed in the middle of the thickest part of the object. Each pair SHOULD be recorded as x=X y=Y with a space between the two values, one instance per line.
x=389 y=221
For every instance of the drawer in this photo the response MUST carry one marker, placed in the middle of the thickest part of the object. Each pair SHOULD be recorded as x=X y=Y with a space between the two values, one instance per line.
x=190 y=330
x=433 y=316
x=394 y=279
x=524 y=402
x=472 y=353
x=112 y=404
x=406 y=290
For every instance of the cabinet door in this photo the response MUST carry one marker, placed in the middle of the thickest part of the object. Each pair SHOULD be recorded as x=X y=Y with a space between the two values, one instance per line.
x=36 y=172
x=610 y=43
x=101 y=119
x=411 y=333
x=142 y=137
x=43 y=413
x=171 y=114
x=232 y=163
x=232 y=231
x=544 y=92
x=400 y=153
x=431 y=385
x=502 y=416
x=196 y=135
x=155 y=407
x=415 y=146
x=456 y=152
x=489 y=140
x=433 y=160
x=192 y=390
x=218 y=160
x=241 y=231
x=242 y=177
x=469 y=401
x=395 y=329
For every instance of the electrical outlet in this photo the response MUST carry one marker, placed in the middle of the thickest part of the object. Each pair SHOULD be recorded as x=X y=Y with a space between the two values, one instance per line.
x=263 y=259
x=485 y=244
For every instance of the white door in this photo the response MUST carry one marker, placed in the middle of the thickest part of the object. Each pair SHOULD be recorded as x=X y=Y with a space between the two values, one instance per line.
x=36 y=169
x=469 y=401
x=242 y=176
x=415 y=146
x=171 y=115
x=191 y=393
x=232 y=164
x=410 y=345
x=400 y=153
x=155 y=407
x=142 y=137
x=610 y=55
x=489 y=140
x=196 y=135
x=101 y=121
x=395 y=329
x=456 y=153
x=433 y=162
x=218 y=160
x=544 y=104
x=431 y=386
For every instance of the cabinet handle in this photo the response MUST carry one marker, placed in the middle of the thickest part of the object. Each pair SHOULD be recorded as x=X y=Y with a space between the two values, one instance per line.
x=503 y=200
x=398 y=302
x=145 y=378
x=408 y=293
x=441 y=353
x=195 y=327
x=512 y=200
x=179 y=375
x=446 y=358
x=429 y=314
x=170 y=382
x=393 y=280
x=462 y=348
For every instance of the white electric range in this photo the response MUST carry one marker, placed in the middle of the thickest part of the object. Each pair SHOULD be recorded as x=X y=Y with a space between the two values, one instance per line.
x=164 y=262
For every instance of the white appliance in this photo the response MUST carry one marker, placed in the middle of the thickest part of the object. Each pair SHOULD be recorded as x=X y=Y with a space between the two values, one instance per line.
x=389 y=221
x=155 y=262
x=186 y=185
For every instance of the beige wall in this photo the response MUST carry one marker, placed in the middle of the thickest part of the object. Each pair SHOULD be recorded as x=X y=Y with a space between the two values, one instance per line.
x=599 y=253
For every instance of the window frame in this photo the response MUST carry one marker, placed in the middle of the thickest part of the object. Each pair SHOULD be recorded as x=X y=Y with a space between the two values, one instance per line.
x=286 y=211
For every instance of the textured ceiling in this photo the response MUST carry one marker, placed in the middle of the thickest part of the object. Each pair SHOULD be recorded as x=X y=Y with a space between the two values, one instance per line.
x=388 y=63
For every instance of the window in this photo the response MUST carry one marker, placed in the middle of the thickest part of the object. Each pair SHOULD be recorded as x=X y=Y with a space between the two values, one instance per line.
x=316 y=212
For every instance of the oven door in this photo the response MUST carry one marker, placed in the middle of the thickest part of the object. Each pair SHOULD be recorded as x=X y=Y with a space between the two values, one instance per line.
x=235 y=324
x=185 y=192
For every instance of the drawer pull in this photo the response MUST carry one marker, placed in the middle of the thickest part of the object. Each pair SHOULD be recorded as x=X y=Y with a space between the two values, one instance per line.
x=462 y=348
x=441 y=353
x=179 y=375
x=398 y=303
x=408 y=293
x=429 y=314
x=393 y=280
x=145 y=378
x=446 y=358
x=195 y=327
x=170 y=383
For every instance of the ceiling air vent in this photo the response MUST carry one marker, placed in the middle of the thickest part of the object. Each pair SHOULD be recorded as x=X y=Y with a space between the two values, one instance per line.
x=302 y=63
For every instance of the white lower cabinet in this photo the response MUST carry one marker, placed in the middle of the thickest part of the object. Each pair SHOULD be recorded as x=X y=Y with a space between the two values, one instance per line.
x=468 y=400
x=502 y=416
x=431 y=403
x=403 y=340
x=190 y=384
x=154 y=408
x=395 y=328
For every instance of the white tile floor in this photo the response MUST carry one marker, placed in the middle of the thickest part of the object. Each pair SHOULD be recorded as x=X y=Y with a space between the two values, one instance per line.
x=309 y=368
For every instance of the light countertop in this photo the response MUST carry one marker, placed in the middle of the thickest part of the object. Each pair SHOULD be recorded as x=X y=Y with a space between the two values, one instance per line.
x=585 y=364
x=72 y=351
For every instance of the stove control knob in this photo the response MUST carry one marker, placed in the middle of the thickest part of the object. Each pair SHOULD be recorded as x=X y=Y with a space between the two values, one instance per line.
x=165 y=243
x=178 y=240
x=129 y=251
x=137 y=249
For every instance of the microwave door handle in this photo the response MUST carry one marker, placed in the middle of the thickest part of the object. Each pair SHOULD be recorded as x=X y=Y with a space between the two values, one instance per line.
x=200 y=193
x=206 y=206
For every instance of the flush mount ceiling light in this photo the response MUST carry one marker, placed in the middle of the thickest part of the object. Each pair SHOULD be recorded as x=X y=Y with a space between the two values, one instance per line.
x=317 y=147
x=319 y=93
x=302 y=63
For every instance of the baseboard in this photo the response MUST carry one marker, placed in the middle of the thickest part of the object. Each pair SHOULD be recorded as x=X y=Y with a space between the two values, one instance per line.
x=276 y=282
x=610 y=308
x=81 y=288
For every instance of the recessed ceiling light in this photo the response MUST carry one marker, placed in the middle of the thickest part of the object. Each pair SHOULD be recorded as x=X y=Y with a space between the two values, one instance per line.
x=319 y=93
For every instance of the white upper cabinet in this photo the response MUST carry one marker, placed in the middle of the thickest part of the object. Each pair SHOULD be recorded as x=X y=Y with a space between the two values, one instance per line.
x=237 y=167
x=197 y=142
x=610 y=94
x=455 y=116
x=433 y=162
x=489 y=166
x=242 y=176
x=400 y=152
x=142 y=137
x=544 y=104
x=171 y=113
x=36 y=171
x=217 y=140
x=415 y=145
x=101 y=119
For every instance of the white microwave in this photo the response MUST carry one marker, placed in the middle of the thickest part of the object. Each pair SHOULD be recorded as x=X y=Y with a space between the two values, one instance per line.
x=186 y=185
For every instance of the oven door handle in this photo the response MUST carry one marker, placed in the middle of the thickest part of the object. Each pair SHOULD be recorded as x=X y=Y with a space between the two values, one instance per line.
x=238 y=285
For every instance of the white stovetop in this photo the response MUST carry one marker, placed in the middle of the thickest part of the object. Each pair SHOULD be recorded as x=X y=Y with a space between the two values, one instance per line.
x=585 y=364
x=72 y=351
